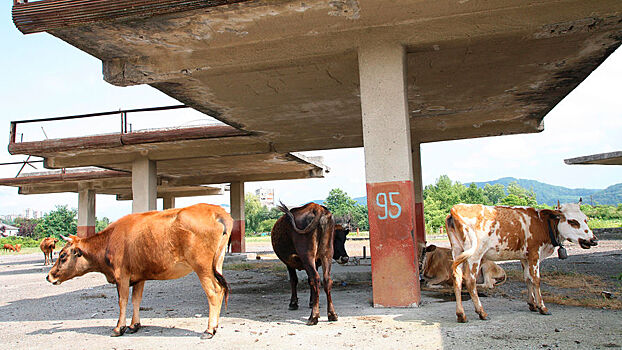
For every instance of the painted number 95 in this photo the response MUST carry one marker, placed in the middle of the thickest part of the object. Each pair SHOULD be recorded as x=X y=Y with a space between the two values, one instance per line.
x=382 y=202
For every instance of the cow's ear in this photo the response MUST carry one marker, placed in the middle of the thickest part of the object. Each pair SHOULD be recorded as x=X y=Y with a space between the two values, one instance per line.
x=552 y=214
x=77 y=252
x=430 y=248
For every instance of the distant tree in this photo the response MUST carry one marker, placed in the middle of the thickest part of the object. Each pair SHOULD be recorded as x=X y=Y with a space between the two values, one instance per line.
x=518 y=196
x=266 y=225
x=254 y=212
x=474 y=195
x=345 y=209
x=61 y=221
x=495 y=193
x=101 y=224
x=27 y=227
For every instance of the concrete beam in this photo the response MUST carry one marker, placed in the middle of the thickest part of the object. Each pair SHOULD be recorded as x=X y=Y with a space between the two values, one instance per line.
x=168 y=202
x=389 y=174
x=418 y=192
x=238 y=242
x=610 y=158
x=86 y=212
x=144 y=185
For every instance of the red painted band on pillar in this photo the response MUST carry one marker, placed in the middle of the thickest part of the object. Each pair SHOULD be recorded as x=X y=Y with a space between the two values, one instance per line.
x=394 y=266
x=238 y=243
x=85 y=231
x=419 y=223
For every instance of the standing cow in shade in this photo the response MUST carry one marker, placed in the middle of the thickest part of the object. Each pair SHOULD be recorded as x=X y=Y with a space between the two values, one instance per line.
x=304 y=238
x=530 y=235
x=47 y=245
x=156 y=245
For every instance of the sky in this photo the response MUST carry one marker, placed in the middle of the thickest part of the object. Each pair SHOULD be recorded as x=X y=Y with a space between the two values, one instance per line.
x=42 y=76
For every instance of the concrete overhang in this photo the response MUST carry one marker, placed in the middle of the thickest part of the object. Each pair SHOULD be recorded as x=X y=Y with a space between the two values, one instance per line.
x=610 y=158
x=287 y=71
x=177 y=178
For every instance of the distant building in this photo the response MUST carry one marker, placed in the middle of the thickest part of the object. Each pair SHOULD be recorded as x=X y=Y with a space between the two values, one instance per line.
x=8 y=230
x=266 y=196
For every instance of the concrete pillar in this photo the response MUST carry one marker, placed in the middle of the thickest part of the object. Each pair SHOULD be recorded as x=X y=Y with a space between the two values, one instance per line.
x=86 y=212
x=418 y=186
x=238 y=243
x=168 y=202
x=144 y=185
x=389 y=174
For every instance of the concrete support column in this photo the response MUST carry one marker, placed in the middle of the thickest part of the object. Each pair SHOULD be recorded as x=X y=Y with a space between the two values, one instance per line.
x=238 y=243
x=418 y=186
x=168 y=202
x=389 y=174
x=86 y=212
x=144 y=185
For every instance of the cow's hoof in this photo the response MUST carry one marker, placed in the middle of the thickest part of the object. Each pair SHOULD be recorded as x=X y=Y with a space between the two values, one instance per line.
x=133 y=328
x=293 y=307
x=312 y=321
x=462 y=318
x=484 y=317
x=208 y=335
x=118 y=333
x=544 y=311
x=332 y=317
x=532 y=307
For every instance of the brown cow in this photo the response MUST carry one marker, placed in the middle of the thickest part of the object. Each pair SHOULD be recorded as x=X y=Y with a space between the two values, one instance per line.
x=47 y=245
x=307 y=248
x=510 y=233
x=436 y=270
x=8 y=247
x=18 y=247
x=156 y=245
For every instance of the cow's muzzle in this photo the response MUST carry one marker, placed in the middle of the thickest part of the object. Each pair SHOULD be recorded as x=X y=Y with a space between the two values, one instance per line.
x=587 y=244
x=47 y=278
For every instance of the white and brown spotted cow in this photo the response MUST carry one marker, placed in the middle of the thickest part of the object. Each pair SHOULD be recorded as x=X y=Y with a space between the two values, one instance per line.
x=510 y=233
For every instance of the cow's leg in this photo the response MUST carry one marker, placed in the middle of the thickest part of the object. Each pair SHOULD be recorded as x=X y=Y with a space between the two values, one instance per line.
x=123 y=291
x=530 y=290
x=470 y=279
x=457 y=274
x=328 y=286
x=534 y=271
x=293 y=282
x=215 y=293
x=314 y=287
x=137 y=297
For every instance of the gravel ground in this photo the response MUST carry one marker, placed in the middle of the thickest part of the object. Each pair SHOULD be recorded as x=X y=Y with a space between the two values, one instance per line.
x=80 y=314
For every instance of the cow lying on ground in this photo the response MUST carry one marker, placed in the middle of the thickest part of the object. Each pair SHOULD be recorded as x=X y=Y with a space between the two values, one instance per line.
x=508 y=233
x=436 y=270
x=156 y=245
x=8 y=247
x=47 y=245
x=307 y=248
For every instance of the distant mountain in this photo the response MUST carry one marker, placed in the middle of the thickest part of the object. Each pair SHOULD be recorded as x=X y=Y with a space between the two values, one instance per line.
x=549 y=194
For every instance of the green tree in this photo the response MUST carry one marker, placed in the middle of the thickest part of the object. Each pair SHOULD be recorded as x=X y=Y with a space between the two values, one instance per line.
x=474 y=195
x=61 y=221
x=254 y=213
x=495 y=193
x=339 y=203
x=519 y=196
x=101 y=224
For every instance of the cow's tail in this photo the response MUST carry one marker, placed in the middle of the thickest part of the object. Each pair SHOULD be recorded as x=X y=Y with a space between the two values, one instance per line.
x=222 y=246
x=505 y=278
x=312 y=225
x=452 y=231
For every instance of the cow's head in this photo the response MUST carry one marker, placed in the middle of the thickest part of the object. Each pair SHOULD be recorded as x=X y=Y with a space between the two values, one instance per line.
x=428 y=265
x=572 y=225
x=71 y=262
x=339 y=244
x=18 y=247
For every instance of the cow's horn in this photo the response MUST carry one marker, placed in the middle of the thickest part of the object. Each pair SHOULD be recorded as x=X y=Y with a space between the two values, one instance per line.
x=68 y=239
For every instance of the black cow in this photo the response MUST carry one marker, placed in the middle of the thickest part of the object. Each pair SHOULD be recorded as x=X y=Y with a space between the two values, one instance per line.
x=307 y=248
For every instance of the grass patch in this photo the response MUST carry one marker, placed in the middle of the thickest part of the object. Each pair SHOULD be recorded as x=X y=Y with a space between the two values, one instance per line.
x=24 y=250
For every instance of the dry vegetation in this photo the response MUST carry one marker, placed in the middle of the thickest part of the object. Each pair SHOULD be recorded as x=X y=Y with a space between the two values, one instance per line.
x=576 y=289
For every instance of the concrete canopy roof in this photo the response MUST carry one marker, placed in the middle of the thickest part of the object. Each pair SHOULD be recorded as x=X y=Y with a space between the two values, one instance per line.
x=287 y=71
x=178 y=178
x=611 y=158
